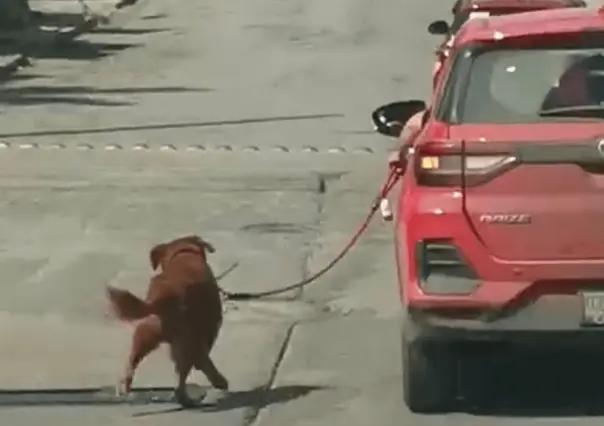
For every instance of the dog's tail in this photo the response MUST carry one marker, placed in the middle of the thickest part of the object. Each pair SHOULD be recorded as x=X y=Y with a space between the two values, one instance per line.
x=126 y=306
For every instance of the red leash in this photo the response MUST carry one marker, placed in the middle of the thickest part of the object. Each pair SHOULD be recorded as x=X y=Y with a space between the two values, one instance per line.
x=380 y=203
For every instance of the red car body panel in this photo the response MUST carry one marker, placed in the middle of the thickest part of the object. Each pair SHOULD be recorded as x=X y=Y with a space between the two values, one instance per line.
x=561 y=248
x=525 y=5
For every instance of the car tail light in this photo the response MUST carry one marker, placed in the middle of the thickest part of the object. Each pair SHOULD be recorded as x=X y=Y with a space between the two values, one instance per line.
x=454 y=169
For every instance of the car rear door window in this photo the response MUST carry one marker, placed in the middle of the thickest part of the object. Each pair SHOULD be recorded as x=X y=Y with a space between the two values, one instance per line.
x=508 y=86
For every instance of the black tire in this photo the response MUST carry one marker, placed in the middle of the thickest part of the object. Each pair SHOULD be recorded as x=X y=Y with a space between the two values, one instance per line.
x=429 y=376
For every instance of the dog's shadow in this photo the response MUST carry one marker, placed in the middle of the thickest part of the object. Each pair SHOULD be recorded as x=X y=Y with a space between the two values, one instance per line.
x=258 y=398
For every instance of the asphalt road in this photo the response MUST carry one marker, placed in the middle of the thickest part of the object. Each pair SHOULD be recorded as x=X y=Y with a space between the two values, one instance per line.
x=247 y=123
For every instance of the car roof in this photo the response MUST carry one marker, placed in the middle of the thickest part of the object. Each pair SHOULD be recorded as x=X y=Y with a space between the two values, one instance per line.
x=569 y=20
x=519 y=4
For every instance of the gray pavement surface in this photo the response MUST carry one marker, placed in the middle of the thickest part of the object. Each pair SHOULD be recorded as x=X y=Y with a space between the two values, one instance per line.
x=226 y=119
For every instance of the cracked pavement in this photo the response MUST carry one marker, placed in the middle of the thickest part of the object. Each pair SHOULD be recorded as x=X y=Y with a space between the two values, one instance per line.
x=248 y=123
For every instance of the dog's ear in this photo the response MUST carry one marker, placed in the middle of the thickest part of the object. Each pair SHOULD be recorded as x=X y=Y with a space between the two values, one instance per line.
x=207 y=246
x=156 y=255
x=201 y=243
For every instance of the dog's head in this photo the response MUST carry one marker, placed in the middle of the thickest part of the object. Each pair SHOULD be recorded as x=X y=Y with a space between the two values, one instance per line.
x=190 y=243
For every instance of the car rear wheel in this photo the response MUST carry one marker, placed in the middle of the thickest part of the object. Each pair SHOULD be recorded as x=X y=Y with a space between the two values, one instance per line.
x=429 y=376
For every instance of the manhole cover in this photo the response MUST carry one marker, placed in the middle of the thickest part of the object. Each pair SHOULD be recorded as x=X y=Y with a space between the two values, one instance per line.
x=276 y=228
x=94 y=396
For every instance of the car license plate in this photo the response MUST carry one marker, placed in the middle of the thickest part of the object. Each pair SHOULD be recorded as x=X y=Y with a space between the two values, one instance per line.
x=593 y=308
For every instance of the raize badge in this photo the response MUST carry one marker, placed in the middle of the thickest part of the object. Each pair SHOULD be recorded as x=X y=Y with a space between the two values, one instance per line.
x=506 y=219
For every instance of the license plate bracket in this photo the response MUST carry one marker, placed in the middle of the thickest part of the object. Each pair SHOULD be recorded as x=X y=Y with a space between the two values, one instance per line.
x=593 y=308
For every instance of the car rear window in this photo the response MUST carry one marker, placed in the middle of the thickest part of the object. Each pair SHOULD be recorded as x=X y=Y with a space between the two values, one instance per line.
x=515 y=86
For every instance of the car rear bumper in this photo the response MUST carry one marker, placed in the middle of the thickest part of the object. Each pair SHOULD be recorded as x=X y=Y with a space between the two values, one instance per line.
x=556 y=320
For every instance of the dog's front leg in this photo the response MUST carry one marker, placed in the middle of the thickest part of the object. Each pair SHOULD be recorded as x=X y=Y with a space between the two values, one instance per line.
x=146 y=338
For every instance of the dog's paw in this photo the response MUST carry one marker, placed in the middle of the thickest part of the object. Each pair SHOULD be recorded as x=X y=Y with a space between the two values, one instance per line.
x=122 y=389
x=221 y=383
x=183 y=399
x=119 y=390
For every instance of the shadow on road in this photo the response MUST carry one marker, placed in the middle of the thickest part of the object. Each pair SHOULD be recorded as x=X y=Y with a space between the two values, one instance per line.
x=154 y=17
x=90 y=396
x=105 y=396
x=537 y=384
x=25 y=77
x=257 y=398
x=129 y=31
x=80 y=95
x=261 y=397
x=45 y=42
x=58 y=19
x=77 y=49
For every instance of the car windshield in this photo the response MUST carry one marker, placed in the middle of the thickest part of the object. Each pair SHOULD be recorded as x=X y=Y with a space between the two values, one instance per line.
x=531 y=85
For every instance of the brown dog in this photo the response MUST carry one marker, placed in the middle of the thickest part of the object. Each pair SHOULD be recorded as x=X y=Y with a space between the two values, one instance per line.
x=182 y=308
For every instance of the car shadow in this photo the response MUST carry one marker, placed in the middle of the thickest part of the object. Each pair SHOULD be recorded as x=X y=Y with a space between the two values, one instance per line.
x=538 y=383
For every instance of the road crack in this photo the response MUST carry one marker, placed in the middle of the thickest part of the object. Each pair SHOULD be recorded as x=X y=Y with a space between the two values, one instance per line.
x=308 y=247
x=254 y=412
x=312 y=243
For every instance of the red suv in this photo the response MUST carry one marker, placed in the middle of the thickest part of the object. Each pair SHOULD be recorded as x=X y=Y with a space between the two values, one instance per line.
x=464 y=10
x=500 y=220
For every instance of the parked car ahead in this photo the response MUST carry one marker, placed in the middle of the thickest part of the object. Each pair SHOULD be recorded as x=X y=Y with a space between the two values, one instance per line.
x=499 y=231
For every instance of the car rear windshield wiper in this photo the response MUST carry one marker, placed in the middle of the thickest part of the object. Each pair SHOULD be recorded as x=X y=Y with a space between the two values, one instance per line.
x=571 y=110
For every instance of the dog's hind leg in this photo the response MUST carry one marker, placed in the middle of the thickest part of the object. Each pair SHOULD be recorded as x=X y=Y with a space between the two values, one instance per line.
x=205 y=364
x=146 y=338
x=181 y=355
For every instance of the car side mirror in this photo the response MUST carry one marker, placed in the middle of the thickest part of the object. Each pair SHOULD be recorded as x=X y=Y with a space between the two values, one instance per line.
x=390 y=119
x=438 y=28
